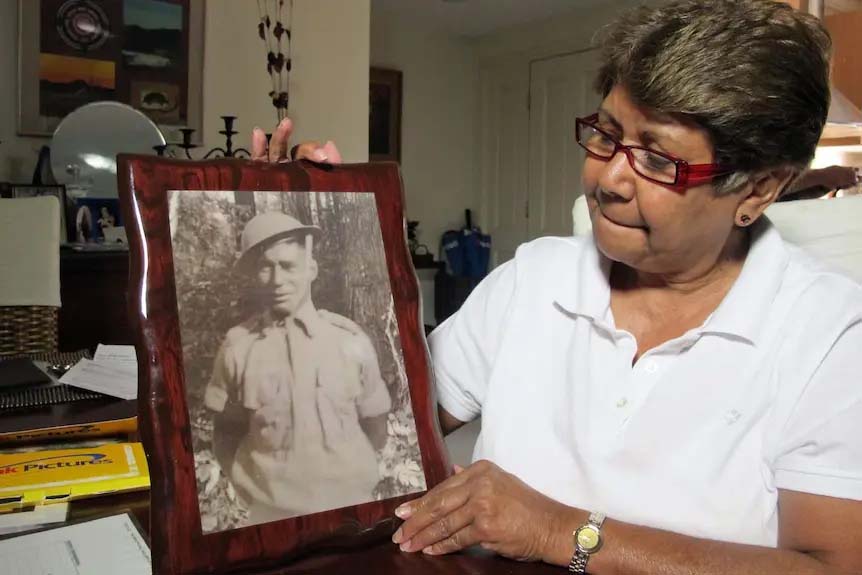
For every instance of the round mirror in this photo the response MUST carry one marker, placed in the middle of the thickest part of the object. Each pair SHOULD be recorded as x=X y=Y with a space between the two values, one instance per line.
x=86 y=143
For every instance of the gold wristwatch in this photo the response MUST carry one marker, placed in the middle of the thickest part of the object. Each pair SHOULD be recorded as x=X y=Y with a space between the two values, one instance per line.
x=588 y=540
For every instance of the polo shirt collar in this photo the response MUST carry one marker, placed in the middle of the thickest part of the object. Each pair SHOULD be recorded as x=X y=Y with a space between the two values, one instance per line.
x=586 y=291
x=742 y=312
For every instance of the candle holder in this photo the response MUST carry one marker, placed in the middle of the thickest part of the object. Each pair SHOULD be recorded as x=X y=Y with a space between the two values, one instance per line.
x=221 y=152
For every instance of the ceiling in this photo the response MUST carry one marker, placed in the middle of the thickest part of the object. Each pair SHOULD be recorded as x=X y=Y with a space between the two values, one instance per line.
x=472 y=18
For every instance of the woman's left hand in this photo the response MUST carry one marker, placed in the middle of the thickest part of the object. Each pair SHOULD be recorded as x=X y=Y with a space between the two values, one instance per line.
x=484 y=505
x=278 y=149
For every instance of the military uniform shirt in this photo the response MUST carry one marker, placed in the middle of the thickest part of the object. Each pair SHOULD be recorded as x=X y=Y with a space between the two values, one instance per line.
x=303 y=382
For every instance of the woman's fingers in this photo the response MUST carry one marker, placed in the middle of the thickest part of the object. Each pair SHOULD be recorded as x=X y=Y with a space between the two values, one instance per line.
x=452 y=528
x=326 y=154
x=459 y=540
x=258 y=145
x=278 y=144
x=278 y=149
x=333 y=156
x=309 y=151
x=418 y=514
x=432 y=509
x=431 y=500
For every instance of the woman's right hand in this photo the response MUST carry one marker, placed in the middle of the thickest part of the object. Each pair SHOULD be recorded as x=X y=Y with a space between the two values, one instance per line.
x=279 y=149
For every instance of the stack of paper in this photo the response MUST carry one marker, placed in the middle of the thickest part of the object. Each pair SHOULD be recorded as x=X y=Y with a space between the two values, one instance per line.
x=112 y=371
x=33 y=518
x=101 y=547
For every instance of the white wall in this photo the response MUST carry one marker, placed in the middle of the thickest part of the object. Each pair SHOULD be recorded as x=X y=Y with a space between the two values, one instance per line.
x=440 y=79
x=560 y=34
x=235 y=79
x=329 y=82
x=504 y=58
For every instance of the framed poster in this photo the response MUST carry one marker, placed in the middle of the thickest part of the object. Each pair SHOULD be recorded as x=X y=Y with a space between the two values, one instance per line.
x=145 y=53
x=289 y=402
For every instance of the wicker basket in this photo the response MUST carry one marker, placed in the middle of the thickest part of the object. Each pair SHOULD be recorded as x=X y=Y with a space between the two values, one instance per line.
x=27 y=330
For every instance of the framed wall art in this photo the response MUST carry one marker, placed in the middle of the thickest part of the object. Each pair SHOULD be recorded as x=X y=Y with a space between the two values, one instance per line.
x=289 y=401
x=145 y=53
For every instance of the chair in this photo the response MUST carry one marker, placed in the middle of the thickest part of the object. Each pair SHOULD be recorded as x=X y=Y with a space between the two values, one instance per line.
x=830 y=230
x=30 y=272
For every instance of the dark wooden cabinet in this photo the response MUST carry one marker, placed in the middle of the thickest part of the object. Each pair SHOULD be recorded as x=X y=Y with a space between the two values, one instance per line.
x=93 y=288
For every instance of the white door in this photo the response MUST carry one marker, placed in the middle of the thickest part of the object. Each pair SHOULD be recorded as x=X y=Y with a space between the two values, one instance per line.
x=561 y=89
x=503 y=160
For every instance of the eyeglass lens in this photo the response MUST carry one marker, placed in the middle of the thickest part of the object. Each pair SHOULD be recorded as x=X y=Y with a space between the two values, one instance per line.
x=645 y=162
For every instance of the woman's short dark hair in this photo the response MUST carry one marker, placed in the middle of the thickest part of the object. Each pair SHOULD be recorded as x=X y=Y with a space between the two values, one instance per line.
x=753 y=73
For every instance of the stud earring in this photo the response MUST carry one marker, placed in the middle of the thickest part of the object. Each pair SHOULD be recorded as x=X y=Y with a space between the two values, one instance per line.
x=745 y=219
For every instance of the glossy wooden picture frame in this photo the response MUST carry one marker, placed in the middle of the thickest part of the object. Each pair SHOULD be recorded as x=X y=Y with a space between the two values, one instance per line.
x=178 y=544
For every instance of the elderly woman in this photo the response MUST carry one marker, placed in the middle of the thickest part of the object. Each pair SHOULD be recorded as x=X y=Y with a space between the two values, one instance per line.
x=680 y=392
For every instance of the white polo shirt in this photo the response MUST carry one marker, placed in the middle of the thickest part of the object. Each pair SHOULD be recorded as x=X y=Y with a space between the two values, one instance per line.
x=700 y=433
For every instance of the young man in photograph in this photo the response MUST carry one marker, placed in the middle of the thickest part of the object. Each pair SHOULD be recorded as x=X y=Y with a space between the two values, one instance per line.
x=297 y=399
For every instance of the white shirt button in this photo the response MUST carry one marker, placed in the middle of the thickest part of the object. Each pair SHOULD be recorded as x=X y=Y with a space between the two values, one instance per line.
x=622 y=402
x=651 y=367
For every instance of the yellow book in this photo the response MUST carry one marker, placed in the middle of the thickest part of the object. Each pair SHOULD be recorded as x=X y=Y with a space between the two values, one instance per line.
x=53 y=476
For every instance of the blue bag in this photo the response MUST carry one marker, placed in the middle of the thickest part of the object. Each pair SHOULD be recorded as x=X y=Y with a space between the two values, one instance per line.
x=468 y=251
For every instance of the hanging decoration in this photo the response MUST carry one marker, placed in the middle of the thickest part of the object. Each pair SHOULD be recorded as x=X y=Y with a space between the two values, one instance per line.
x=274 y=30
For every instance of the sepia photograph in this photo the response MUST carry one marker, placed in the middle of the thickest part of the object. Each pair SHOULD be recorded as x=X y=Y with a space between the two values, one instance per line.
x=294 y=373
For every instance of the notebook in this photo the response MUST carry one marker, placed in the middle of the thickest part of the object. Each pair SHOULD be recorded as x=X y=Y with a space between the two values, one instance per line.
x=18 y=372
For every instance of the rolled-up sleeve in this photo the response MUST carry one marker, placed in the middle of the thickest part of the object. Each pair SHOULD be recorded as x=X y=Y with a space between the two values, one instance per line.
x=821 y=450
x=464 y=347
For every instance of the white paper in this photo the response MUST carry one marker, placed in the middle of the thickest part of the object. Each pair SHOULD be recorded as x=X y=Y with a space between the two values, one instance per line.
x=116 y=378
x=101 y=547
x=41 y=515
x=121 y=353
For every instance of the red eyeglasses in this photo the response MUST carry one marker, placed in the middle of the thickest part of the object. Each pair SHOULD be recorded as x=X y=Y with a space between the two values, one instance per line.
x=649 y=164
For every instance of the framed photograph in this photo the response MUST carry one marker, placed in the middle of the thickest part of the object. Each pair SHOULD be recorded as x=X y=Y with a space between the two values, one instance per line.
x=289 y=401
x=384 y=128
x=95 y=219
x=145 y=53
x=59 y=192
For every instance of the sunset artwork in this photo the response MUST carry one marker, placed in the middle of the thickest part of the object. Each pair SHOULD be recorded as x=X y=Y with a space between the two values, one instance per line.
x=70 y=70
x=66 y=78
x=132 y=51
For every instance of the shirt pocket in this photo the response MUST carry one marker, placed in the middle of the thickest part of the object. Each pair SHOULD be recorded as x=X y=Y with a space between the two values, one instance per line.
x=338 y=388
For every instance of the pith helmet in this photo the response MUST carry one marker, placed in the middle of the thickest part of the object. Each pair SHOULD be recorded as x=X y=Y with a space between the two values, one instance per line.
x=267 y=228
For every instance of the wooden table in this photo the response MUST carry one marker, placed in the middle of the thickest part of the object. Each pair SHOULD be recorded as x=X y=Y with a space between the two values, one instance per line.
x=383 y=559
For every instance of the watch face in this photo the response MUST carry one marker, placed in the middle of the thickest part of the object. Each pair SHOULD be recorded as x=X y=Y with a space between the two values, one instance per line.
x=588 y=538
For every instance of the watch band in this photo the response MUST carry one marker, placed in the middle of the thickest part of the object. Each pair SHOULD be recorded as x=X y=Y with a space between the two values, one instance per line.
x=578 y=564
x=581 y=556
